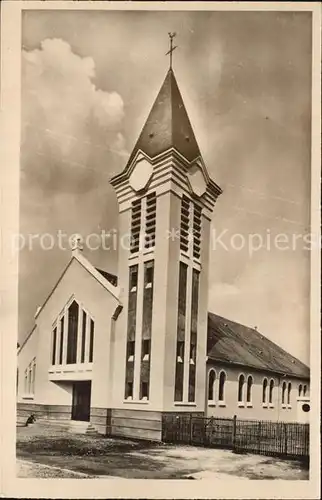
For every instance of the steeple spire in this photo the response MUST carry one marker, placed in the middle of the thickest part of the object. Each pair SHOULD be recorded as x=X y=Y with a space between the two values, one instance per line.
x=168 y=125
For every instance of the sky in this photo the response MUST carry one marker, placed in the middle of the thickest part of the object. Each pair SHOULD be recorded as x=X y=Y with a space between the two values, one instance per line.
x=89 y=80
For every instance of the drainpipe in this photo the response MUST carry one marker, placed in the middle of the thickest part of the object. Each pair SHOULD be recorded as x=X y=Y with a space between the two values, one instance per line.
x=206 y=389
x=278 y=398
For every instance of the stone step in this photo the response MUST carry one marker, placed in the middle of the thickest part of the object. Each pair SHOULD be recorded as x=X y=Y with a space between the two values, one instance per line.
x=74 y=426
x=91 y=431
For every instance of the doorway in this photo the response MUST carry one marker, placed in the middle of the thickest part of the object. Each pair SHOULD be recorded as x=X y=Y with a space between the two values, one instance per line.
x=81 y=400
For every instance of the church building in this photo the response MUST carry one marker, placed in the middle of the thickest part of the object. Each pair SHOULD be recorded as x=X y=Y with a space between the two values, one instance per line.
x=117 y=352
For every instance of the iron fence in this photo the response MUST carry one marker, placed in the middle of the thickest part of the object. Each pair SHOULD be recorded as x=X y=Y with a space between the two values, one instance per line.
x=255 y=436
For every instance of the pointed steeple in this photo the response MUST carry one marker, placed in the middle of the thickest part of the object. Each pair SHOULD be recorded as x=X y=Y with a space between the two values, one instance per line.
x=168 y=124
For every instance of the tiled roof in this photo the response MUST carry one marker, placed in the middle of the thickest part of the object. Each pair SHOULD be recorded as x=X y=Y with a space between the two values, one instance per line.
x=112 y=278
x=168 y=124
x=233 y=343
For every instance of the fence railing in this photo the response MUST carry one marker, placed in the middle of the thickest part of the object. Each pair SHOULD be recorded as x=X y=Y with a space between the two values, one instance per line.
x=255 y=436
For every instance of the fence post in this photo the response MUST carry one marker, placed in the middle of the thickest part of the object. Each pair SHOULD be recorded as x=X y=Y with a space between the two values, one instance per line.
x=285 y=438
x=234 y=432
x=190 y=440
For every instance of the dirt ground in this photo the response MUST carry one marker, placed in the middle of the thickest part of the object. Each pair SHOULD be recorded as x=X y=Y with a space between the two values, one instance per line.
x=45 y=452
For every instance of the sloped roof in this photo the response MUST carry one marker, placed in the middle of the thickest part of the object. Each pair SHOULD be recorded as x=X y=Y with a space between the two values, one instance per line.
x=233 y=343
x=168 y=124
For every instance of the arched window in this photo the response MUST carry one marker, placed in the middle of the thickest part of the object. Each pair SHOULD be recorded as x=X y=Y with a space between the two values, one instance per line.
x=304 y=390
x=72 y=333
x=300 y=391
x=264 y=390
x=283 y=392
x=211 y=385
x=289 y=389
x=241 y=382
x=222 y=380
x=249 y=389
x=271 y=389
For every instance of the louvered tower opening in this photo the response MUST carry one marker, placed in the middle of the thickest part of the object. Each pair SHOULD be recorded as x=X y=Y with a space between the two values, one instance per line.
x=135 y=226
x=184 y=225
x=150 y=220
x=196 y=231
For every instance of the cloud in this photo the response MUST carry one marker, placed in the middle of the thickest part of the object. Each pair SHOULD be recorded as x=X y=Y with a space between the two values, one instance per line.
x=72 y=141
x=70 y=128
x=253 y=292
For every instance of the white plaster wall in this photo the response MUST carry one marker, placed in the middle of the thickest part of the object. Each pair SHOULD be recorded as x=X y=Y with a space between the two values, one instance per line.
x=166 y=311
x=119 y=337
x=26 y=354
x=100 y=304
x=203 y=316
x=302 y=416
x=256 y=411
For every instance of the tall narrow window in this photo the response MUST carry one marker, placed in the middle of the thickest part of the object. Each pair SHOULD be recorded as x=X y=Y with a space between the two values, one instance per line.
x=135 y=225
x=271 y=390
x=91 y=341
x=53 y=347
x=283 y=392
x=131 y=327
x=241 y=382
x=129 y=390
x=26 y=382
x=196 y=231
x=180 y=351
x=289 y=389
x=211 y=385
x=249 y=389
x=150 y=220
x=84 y=320
x=61 y=345
x=144 y=390
x=300 y=390
x=29 y=378
x=264 y=397
x=33 y=376
x=146 y=329
x=184 y=225
x=222 y=381
x=130 y=350
x=193 y=334
x=72 y=333
x=304 y=390
x=182 y=298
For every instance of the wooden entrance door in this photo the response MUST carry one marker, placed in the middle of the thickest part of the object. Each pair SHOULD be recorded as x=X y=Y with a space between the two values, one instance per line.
x=81 y=400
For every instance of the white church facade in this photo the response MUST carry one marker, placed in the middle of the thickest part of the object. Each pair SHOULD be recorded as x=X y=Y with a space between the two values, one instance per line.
x=120 y=351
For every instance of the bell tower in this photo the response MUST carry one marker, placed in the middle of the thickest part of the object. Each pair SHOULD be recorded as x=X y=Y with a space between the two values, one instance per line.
x=166 y=199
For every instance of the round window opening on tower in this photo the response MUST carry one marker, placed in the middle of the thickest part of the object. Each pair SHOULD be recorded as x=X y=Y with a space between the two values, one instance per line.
x=306 y=407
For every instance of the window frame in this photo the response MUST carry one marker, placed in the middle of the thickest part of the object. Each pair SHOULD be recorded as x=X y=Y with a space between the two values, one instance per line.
x=264 y=392
x=212 y=372
x=271 y=393
x=249 y=391
x=221 y=387
x=240 y=393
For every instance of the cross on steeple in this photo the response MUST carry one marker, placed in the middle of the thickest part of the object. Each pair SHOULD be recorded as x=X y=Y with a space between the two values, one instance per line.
x=172 y=48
